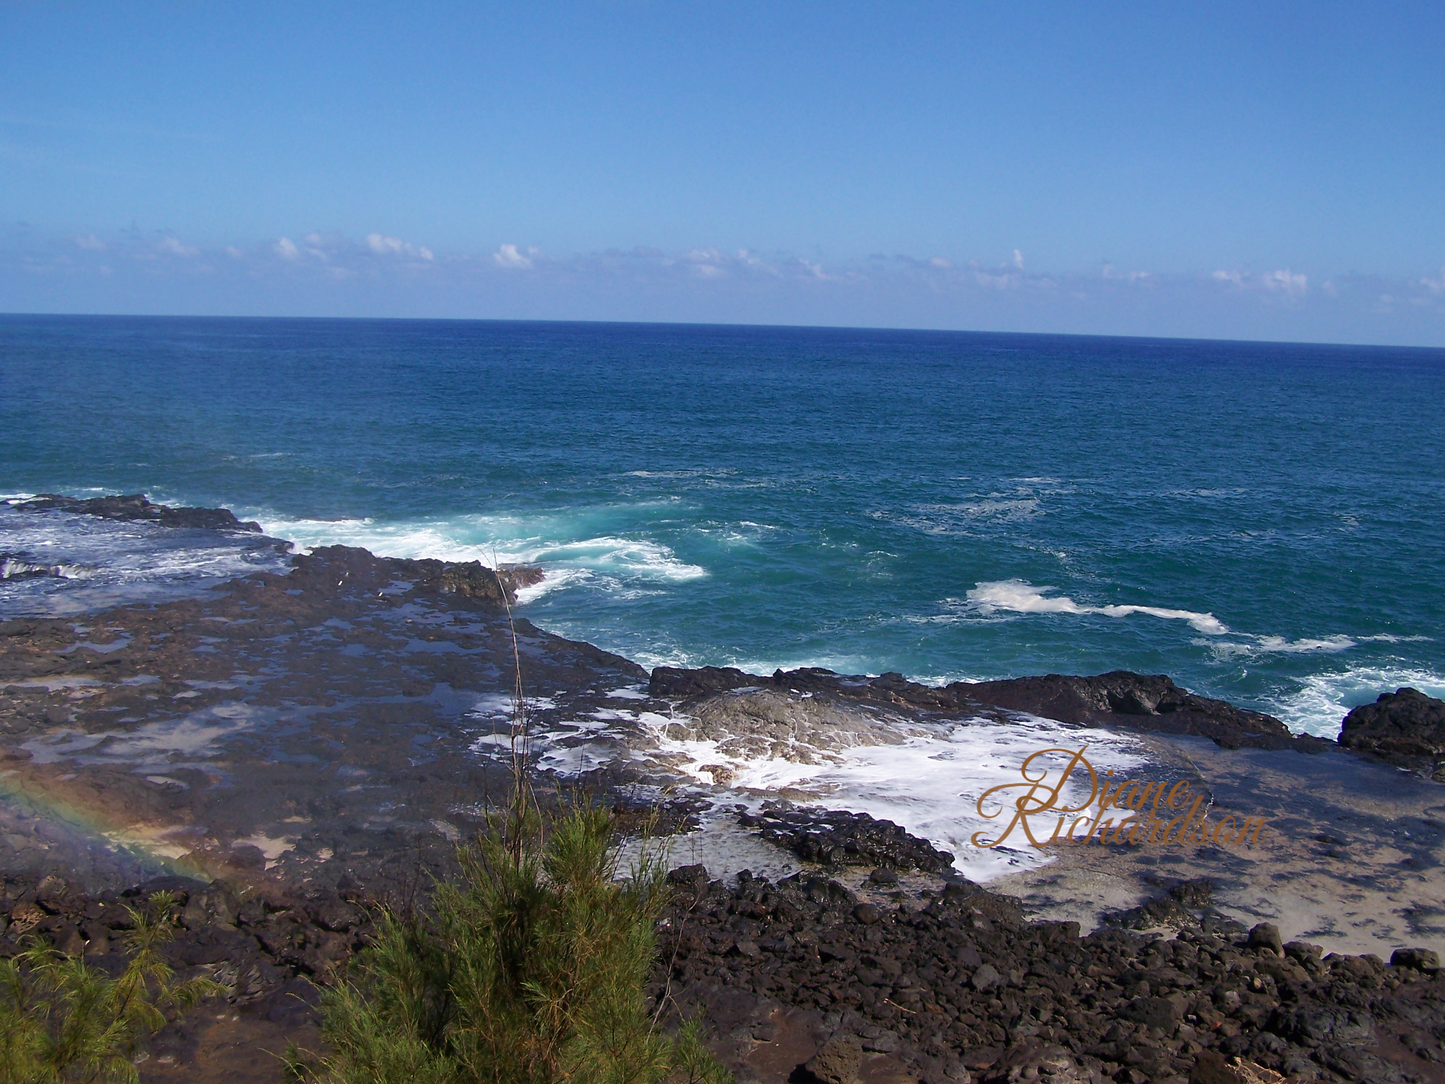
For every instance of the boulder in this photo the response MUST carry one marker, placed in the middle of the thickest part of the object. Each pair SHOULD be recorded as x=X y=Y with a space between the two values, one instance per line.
x=838 y=1061
x=1420 y=959
x=1266 y=936
x=985 y=976
x=1405 y=728
x=1156 y=1012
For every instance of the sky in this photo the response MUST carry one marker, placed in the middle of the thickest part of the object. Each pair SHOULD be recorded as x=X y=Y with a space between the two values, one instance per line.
x=1229 y=170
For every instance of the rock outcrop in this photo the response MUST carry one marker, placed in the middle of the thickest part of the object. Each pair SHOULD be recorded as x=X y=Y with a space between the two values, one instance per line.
x=1120 y=699
x=1405 y=727
x=135 y=506
x=838 y=838
x=751 y=723
x=1144 y=702
x=353 y=568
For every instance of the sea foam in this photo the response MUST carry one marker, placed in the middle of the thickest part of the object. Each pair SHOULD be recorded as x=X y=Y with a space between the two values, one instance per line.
x=611 y=562
x=1018 y=596
x=1324 y=699
x=929 y=780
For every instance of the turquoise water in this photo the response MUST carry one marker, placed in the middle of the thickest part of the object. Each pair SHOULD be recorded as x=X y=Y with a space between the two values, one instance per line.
x=1263 y=522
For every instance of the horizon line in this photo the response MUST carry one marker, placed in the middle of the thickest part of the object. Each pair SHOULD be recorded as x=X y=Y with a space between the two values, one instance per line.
x=738 y=326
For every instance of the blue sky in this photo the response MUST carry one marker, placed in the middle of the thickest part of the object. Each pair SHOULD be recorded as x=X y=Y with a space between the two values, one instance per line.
x=1227 y=170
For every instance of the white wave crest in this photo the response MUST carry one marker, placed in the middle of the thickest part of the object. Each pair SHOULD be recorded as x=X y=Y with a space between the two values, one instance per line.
x=610 y=561
x=1019 y=596
x=1323 y=700
x=62 y=563
x=1322 y=645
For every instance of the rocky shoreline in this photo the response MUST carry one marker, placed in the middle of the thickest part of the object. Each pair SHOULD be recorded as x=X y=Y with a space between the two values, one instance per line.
x=298 y=748
x=805 y=980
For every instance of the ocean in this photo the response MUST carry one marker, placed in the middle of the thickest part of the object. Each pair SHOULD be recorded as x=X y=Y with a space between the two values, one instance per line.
x=1260 y=521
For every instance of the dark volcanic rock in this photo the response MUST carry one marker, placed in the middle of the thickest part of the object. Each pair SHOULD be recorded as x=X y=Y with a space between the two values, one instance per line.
x=1405 y=727
x=134 y=506
x=1185 y=904
x=673 y=681
x=354 y=568
x=793 y=983
x=1418 y=958
x=1120 y=699
x=22 y=566
x=270 y=955
x=1142 y=702
x=956 y=986
x=847 y=839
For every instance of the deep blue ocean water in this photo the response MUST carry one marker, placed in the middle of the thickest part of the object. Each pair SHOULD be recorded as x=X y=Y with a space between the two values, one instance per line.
x=1262 y=522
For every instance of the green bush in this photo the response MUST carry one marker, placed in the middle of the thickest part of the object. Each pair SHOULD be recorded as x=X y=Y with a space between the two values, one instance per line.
x=530 y=970
x=62 y=1020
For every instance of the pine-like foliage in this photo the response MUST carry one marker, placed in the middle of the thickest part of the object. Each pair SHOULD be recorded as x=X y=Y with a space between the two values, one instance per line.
x=62 y=1020
x=530 y=970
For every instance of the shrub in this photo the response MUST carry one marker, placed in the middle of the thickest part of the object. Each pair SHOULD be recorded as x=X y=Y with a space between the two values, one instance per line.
x=63 y=1020
x=530 y=970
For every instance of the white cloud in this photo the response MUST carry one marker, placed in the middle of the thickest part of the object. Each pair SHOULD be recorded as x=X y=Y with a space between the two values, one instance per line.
x=175 y=248
x=1003 y=280
x=1283 y=281
x=748 y=284
x=395 y=246
x=1291 y=284
x=384 y=245
x=749 y=261
x=705 y=262
x=1110 y=272
x=508 y=256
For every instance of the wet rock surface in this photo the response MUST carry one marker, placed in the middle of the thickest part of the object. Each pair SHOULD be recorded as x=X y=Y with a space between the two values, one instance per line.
x=954 y=985
x=830 y=838
x=23 y=566
x=756 y=723
x=1405 y=727
x=1142 y=702
x=1120 y=700
x=135 y=506
x=352 y=714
